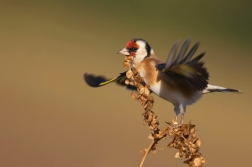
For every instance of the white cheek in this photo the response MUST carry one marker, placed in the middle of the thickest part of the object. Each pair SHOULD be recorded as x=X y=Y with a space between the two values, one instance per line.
x=142 y=53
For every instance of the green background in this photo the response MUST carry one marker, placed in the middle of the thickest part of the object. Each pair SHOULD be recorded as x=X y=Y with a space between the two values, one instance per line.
x=50 y=117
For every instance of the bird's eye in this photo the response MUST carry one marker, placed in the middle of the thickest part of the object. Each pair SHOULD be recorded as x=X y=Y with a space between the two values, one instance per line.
x=134 y=48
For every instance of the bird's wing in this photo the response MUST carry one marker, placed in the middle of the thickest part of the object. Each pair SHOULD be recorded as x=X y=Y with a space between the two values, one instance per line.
x=184 y=66
x=98 y=81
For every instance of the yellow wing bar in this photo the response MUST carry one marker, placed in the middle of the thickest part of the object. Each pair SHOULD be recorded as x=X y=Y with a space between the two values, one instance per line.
x=108 y=81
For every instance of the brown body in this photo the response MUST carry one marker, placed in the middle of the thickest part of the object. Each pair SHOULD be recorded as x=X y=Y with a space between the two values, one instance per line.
x=173 y=88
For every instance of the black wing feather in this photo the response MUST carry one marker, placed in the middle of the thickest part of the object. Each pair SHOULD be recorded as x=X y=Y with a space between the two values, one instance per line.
x=191 y=69
x=182 y=51
x=98 y=81
x=190 y=54
x=94 y=81
x=172 y=55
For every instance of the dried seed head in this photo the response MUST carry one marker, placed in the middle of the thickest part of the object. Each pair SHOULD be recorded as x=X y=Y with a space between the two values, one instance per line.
x=177 y=155
x=132 y=83
x=127 y=61
x=146 y=91
x=143 y=100
x=126 y=64
x=194 y=146
x=134 y=95
x=181 y=154
x=198 y=143
x=139 y=86
x=196 y=162
x=170 y=144
x=141 y=90
x=185 y=140
x=129 y=74
x=130 y=58
x=170 y=133
x=150 y=136
x=192 y=131
x=127 y=82
x=174 y=122
x=184 y=127
x=149 y=104
x=203 y=160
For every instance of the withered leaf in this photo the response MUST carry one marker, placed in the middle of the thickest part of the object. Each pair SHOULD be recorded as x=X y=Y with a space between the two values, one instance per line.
x=151 y=98
x=203 y=160
x=134 y=95
x=129 y=74
x=187 y=161
x=150 y=136
x=174 y=122
x=130 y=58
x=170 y=144
x=143 y=151
x=132 y=83
x=198 y=143
x=154 y=151
x=127 y=82
x=197 y=162
x=181 y=154
x=177 y=155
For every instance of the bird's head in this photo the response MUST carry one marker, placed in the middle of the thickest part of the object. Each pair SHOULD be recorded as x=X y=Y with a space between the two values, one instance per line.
x=138 y=48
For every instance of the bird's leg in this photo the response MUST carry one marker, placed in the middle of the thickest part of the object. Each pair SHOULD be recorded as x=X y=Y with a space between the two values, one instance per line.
x=179 y=110
x=181 y=119
x=179 y=122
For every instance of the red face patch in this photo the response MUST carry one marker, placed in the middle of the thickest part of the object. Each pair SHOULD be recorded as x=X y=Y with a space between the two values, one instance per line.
x=132 y=44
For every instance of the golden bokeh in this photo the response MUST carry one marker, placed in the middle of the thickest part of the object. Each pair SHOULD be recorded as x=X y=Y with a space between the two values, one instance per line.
x=50 y=117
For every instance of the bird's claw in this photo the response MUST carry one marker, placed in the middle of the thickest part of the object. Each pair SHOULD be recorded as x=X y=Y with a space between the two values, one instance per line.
x=177 y=124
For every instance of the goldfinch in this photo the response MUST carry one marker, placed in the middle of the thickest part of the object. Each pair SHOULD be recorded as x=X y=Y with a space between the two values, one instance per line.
x=181 y=80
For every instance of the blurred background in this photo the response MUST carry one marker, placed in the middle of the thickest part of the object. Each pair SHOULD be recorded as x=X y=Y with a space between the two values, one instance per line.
x=49 y=117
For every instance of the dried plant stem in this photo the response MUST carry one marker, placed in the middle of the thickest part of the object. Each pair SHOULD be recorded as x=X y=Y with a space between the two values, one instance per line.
x=147 y=152
x=153 y=142
x=184 y=137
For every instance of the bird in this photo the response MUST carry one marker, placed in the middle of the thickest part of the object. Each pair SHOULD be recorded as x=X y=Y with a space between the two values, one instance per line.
x=181 y=80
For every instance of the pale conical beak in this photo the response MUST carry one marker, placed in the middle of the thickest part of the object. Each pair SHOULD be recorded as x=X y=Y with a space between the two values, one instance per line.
x=124 y=51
